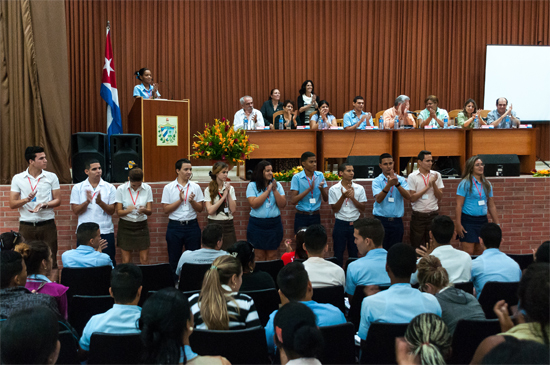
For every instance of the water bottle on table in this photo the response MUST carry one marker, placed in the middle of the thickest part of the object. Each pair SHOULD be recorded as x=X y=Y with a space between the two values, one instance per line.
x=381 y=123
x=245 y=123
x=446 y=123
x=396 y=123
x=281 y=123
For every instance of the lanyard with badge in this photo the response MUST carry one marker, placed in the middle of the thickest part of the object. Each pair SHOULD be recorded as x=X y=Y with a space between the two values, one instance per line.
x=132 y=197
x=225 y=208
x=391 y=199
x=186 y=193
x=33 y=189
x=426 y=182
x=312 y=199
x=481 y=201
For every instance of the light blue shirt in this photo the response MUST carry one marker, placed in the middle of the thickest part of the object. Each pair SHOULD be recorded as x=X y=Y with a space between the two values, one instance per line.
x=321 y=123
x=399 y=304
x=368 y=270
x=472 y=198
x=386 y=208
x=494 y=115
x=140 y=90
x=269 y=208
x=327 y=315
x=301 y=182
x=119 y=319
x=441 y=114
x=351 y=118
x=85 y=256
x=189 y=354
x=493 y=265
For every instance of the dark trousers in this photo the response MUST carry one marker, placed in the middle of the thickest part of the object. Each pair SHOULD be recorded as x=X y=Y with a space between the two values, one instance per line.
x=110 y=249
x=342 y=237
x=393 y=231
x=44 y=231
x=179 y=234
x=420 y=228
x=305 y=220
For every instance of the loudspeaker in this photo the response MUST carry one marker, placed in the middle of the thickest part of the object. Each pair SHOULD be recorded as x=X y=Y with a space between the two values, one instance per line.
x=365 y=167
x=125 y=153
x=87 y=146
x=500 y=165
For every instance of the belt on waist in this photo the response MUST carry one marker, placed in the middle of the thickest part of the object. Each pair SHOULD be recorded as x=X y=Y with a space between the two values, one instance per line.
x=430 y=214
x=307 y=213
x=37 y=224
x=389 y=219
x=343 y=221
x=184 y=223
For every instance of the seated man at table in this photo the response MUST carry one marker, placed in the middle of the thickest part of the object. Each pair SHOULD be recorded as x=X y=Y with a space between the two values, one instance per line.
x=497 y=117
x=253 y=117
x=433 y=115
x=357 y=118
x=400 y=109
x=88 y=254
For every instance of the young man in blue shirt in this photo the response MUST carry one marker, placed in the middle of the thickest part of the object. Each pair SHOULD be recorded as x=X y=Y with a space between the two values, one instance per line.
x=88 y=254
x=357 y=118
x=306 y=189
x=389 y=190
x=124 y=316
x=294 y=285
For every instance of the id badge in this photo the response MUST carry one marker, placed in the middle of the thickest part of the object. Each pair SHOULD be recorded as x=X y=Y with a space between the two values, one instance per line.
x=481 y=202
x=425 y=196
x=226 y=210
x=33 y=199
x=267 y=205
x=391 y=200
x=312 y=201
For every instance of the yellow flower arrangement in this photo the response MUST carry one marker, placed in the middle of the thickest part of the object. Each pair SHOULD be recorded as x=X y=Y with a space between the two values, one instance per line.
x=541 y=173
x=221 y=142
x=287 y=175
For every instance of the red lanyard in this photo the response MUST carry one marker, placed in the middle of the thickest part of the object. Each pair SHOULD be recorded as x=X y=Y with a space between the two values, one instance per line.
x=131 y=197
x=478 y=190
x=427 y=180
x=391 y=190
x=309 y=183
x=186 y=193
x=33 y=189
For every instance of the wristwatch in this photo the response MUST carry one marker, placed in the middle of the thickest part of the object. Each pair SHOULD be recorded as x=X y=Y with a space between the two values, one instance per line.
x=398 y=185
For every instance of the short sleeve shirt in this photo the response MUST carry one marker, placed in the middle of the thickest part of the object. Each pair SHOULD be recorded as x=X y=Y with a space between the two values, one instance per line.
x=238 y=120
x=494 y=115
x=348 y=212
x=351 y=118
x=24 y=184
x=94 y=213
x=440 y=114
x=387 y=208
x=269 y=208
x=321 y=124
x=427 y=202
x=300 y=182
x=221 y=216
x=473 y=197
x=127 y=196
x=171 y=194
x=140 y=90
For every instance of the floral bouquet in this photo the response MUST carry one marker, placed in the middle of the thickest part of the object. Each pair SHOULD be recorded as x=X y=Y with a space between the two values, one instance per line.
x=540 y=173
x=287 y=175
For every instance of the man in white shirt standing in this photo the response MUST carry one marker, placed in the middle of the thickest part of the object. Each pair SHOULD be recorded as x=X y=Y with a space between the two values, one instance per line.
x=182 y=199
x=93 y=200
x=35 y=193
x=248 y=118
x=322 y=273
x=347 y=201
x=426 y=188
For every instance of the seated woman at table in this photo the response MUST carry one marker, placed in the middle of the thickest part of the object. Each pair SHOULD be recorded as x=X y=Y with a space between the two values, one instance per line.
x=323 y=119
x=467 y=117
x=291 y=119
x=307 y=101
x=147 y=89
x=271 y=106
x=433 y=115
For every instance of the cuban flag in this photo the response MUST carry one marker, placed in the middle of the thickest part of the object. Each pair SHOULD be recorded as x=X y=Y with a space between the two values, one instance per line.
x=109 y=92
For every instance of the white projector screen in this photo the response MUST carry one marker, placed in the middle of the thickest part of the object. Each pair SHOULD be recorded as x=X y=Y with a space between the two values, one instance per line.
x=521 y=74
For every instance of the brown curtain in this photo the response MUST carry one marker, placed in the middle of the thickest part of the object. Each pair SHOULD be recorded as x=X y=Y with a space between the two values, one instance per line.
x=34 y=89
x=214 y=52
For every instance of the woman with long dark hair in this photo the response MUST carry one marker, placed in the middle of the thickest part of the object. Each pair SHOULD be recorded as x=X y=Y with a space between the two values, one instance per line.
x=252 y=279
x=307 y=101
x=470 y=116
x=323 y=119
x=270 y=107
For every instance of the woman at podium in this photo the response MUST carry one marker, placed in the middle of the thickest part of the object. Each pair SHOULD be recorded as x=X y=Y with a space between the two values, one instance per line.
x=147 y=89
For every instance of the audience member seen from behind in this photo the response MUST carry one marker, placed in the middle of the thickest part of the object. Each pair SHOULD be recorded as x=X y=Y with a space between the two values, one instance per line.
x=533 y=317
x=321 y=272
x=514 y=352
x=270 y=107
x=29 y=336
x=266 y=197
x=299 y=253
x=212 y=240
x=470 y=116
x=88 y=254
x=39 y=261
x=307 y=101
x=492 y=264
x=542 y=254
x=474 y=198
x=433 y=115
x=166 y=323
x=148 y=89
x=8 y=240
x=252 y=279
x=455 y=303
x=124 y=316
x=297 y=336
x=219 y=305
x=323 y=119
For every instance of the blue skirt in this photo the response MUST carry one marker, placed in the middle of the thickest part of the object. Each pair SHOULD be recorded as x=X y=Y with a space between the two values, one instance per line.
x=265 y=233
x=472 y=225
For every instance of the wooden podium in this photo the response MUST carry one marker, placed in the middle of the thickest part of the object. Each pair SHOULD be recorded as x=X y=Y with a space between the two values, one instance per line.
x=164 y=129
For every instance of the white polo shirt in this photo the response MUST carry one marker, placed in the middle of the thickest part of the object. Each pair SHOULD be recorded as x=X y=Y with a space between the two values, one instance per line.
x=427 y=202
x=127 y=196
x=94 y=213
x=24 y=184
x=171 y=194
x=348 y=212
x=324 y=273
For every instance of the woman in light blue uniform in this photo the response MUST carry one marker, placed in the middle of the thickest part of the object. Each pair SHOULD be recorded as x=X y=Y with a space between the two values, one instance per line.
x=147 y=89
x=266 y=197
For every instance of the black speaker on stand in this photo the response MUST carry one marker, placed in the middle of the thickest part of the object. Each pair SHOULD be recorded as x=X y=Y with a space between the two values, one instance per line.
x=500 y=165
x=87 y=146
x=365 y=167
x=126 y=152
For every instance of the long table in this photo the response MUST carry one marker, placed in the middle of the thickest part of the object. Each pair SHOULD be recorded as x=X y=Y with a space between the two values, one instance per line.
x=282 y=144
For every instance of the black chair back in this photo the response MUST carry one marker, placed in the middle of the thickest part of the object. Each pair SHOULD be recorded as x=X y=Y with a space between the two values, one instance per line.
x=467 y=337
x=493 y=291
x=349 y=261
x=467 y=286
x=299 y=260
x=191 y=276
x=332 y=295
x=246 y=346
x=379 y=347
x=109 y=348
x=339 y=345
x=155 y=278
x=523 y=260
x=68 y=354
x=271 y=267
x=334 y=260
x=83 y=307
x=354 y=314
x=266 y=301
x=86 y=281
